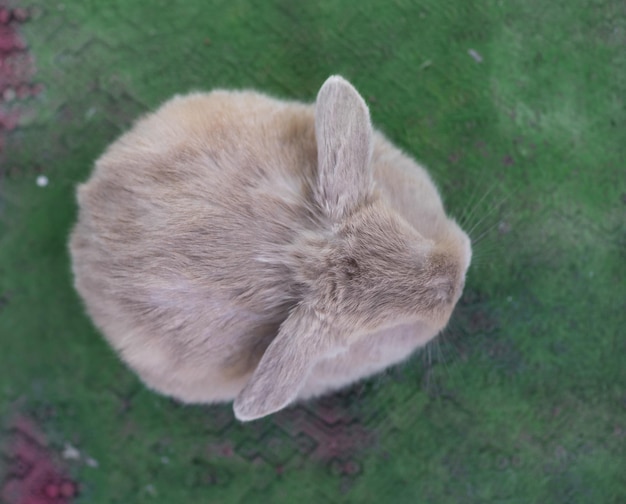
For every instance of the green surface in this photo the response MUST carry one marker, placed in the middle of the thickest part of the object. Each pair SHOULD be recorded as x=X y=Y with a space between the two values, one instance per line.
x=522 y=400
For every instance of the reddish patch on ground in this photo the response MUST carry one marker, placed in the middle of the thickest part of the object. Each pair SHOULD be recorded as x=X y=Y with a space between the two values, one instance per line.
x=17 y=70
x=33 y=474
x=335 y=434
x=330 y=431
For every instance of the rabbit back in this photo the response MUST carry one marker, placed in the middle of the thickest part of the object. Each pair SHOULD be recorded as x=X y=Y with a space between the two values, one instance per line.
x=175 y=228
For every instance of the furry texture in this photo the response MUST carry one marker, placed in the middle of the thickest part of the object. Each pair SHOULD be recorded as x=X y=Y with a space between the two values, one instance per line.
x=235 y=246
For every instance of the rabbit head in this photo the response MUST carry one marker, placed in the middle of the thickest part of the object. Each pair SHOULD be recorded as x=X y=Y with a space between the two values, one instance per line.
x=368 y=269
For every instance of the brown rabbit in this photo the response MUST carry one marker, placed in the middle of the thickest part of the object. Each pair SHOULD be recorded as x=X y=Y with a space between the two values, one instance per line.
x=235 y=246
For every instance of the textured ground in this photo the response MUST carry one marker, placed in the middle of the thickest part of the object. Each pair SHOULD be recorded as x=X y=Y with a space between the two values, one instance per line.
x=518 y=109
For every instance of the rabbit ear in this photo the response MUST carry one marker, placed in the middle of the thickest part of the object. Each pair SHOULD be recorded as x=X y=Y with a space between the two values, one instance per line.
x=344 y=147
x=301 y=342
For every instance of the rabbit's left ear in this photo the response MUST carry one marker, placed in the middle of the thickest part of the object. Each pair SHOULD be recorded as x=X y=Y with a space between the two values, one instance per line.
x=302 y=340
x=343 y=132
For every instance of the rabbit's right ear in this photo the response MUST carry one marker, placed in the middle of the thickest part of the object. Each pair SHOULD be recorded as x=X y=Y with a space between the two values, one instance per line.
x=302 y=341
x=343 y=133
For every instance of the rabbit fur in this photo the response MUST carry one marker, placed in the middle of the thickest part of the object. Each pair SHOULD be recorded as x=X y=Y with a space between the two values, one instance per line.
x=236 y=246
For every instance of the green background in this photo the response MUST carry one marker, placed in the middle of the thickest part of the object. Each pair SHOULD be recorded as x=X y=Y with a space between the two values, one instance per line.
x=517 y=108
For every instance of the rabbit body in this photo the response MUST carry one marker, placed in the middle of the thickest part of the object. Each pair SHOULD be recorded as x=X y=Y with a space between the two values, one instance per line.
x=229 y=223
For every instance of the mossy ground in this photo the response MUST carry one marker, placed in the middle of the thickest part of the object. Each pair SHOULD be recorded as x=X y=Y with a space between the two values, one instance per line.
x=518 y=110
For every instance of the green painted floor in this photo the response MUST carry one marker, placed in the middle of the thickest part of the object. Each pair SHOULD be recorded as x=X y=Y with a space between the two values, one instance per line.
x=518 y=110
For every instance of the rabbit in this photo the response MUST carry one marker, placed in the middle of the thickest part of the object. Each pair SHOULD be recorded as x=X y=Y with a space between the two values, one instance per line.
x=236 y=247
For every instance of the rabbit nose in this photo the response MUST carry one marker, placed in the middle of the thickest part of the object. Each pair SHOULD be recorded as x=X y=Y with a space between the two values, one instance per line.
x=461 y=287
x=467 y=251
